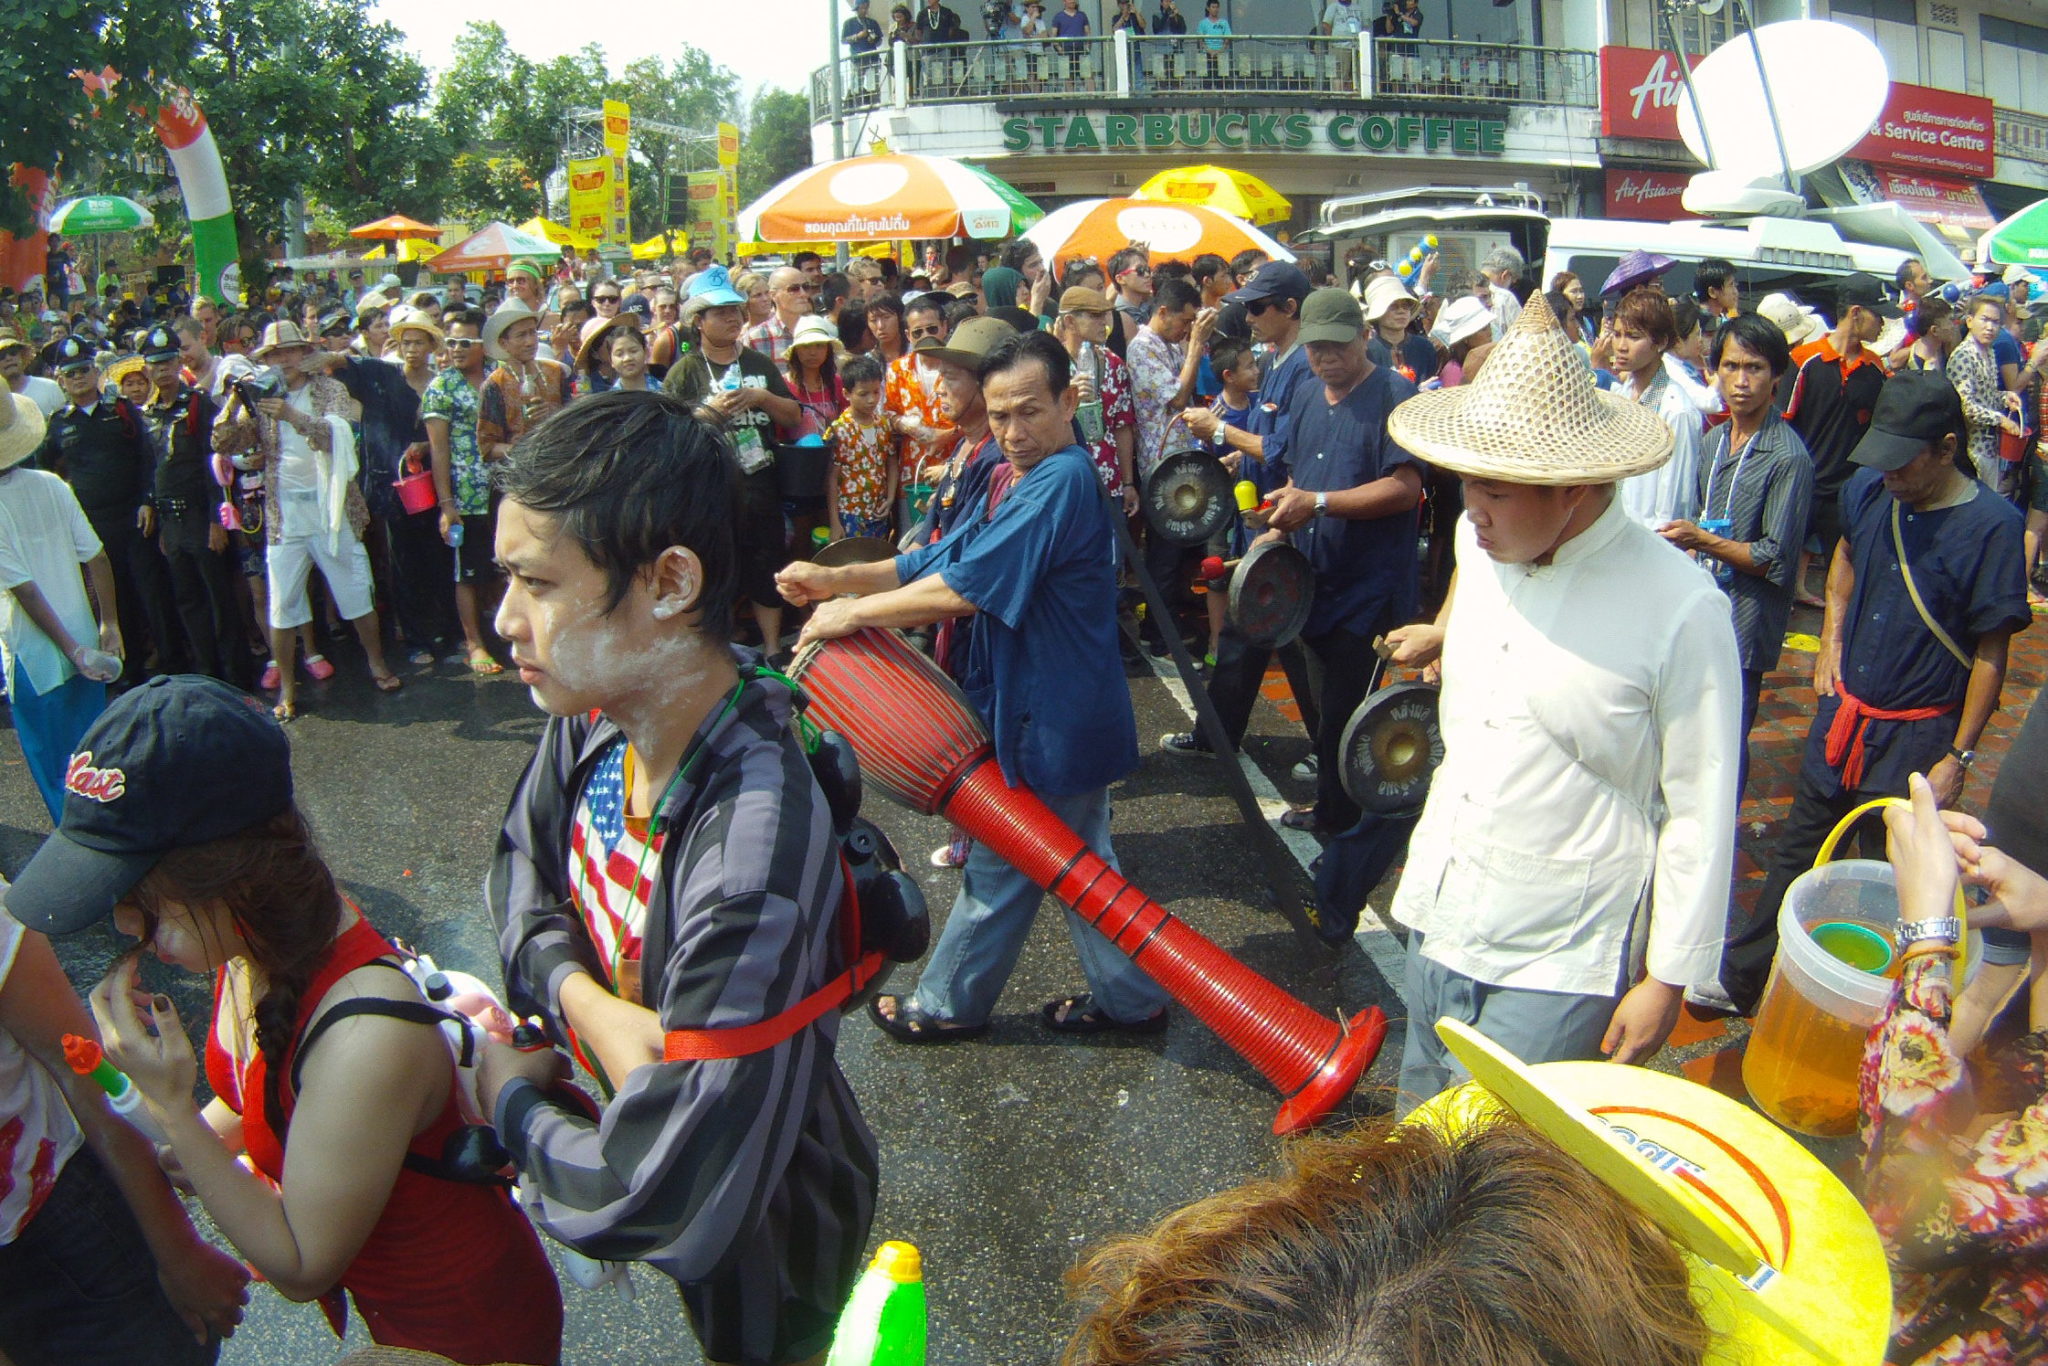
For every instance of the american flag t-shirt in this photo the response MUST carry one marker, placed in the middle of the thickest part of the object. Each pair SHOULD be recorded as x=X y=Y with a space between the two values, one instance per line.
x=611 y=863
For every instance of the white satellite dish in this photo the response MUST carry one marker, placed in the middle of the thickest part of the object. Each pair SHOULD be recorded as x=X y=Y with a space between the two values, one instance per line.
x=1829 y=83
x=1737 y=194
x=1710 y=7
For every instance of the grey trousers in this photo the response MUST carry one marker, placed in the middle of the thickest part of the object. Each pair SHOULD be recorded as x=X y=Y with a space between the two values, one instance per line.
x=1535 y=1026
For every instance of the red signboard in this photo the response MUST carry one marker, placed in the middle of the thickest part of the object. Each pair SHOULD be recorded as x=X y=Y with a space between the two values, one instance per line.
x=1647 y=195
x=1934 y=130
x=1639 y=93
x=1933 y=199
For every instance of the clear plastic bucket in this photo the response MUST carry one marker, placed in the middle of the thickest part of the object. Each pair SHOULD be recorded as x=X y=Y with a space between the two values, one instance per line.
x=1806 y=1050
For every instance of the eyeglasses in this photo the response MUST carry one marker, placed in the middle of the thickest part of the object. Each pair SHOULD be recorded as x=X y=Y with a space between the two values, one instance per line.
x=937 y=330
x=605 y=298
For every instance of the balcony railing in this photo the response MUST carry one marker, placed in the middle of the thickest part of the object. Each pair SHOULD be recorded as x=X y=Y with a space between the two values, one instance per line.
x=1120 y=66
x=2020 y=135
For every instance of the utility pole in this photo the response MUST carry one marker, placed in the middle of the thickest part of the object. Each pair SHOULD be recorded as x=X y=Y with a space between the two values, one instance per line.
x=838 y=101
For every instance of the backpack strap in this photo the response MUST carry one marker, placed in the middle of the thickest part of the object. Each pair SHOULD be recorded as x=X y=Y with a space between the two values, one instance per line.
x=412 y=1012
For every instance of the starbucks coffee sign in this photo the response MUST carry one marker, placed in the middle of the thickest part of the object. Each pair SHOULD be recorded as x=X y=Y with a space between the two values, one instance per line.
x=1422 y=135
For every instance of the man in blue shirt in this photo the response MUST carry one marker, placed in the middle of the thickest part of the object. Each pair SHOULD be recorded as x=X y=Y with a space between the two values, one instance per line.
x=1044 y=671
x=1346 y=496
x=1902 y=690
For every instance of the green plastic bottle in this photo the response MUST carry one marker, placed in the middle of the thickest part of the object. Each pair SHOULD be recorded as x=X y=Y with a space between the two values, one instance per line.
x=884 y=1321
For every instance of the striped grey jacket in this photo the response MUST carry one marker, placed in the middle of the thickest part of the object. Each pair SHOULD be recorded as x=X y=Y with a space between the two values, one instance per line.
x=750 y=1181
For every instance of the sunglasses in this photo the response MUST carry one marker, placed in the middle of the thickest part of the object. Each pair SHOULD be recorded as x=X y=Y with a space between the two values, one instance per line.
x=917 y=332
x=464 y=342
x=800 y=289
x=1138 y=270
x=606 y=298
x=1256 y=307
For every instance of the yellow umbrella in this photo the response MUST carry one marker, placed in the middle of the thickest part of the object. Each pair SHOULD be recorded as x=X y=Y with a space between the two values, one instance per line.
x=1218 y=187
x=661 y=244
x=411 y=249
x=556 y=233
x=878 y=250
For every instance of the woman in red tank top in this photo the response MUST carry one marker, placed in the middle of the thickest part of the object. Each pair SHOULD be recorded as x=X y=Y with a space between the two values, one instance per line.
x=346 y=1192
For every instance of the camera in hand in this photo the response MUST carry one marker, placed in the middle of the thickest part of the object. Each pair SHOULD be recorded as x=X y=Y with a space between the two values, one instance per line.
x=994 y=15
x=265 y=383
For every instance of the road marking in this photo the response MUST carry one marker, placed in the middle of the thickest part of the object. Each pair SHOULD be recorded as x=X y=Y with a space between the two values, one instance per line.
x=1375 y=935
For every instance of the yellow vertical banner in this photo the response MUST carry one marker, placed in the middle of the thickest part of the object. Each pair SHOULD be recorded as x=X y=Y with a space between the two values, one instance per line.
x=590 y=196
x=707 y=211
x=618 y=224
x=728 y=144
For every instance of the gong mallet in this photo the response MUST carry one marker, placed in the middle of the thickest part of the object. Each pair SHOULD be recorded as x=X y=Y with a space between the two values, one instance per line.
x=920 y=743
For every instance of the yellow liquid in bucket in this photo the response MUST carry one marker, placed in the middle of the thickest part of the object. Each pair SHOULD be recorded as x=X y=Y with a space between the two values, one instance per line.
x=1802 y=1063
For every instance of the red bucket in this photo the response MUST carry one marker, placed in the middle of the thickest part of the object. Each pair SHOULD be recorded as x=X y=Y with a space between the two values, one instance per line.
x=2012 y=447
x=415 y=484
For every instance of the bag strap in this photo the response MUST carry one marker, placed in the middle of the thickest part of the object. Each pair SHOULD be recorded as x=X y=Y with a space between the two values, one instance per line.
x=1913 y=592
x=412 y=1012
x=737 y=1041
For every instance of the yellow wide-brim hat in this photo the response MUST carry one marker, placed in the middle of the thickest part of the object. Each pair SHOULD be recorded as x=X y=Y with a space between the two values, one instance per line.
x=1787 y=1268
x=1533 y=416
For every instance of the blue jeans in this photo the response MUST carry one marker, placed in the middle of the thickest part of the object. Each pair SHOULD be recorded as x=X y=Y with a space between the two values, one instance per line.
x=991 y=919
x=79 y=1287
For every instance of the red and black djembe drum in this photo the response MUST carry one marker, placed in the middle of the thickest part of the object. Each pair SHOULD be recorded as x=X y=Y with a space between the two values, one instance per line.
x=919 y=741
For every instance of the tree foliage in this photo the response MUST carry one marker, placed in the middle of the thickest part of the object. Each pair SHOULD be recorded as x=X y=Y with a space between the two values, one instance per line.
x=47 y=118
x=777 y=143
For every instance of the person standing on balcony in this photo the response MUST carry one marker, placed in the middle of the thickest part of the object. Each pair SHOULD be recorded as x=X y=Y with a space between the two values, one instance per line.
x=1343 y=19
x=1408 y=19
x=1169 y=20
x=861 y=34
x=1127 y=17
x=1069 y=22
x=938 y=23
x=901 y=28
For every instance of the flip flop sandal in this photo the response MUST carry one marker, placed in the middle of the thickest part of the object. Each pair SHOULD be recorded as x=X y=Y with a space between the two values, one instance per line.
x=1080 y=1015
x=910 y=1024
x=285 y=711
x=480 y=662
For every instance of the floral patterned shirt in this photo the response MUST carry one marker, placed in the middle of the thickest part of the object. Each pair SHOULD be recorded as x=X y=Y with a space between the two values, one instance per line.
x=861 y=455
x=915 y=397
x=1955 y=1174
x=1118 y=411
x=510 y=404
x=1154 y=364
x=450 y=398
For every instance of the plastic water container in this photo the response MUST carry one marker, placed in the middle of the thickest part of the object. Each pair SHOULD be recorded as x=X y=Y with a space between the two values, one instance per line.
x=1831 y=982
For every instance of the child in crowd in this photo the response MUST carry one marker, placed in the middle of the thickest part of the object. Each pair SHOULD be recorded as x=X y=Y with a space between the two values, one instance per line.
x=1237 y=370
x=861 y=488
x=328 y=1071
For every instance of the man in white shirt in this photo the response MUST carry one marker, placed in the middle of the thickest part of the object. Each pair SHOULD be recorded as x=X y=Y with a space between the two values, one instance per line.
x=1342 y=19
x=1644 y=330
x=1568 y=879
x=1502 y=267
x=15 y=354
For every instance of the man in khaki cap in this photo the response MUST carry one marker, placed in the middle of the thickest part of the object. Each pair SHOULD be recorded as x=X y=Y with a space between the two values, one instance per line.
x=1568 y=879
x=1106 y=415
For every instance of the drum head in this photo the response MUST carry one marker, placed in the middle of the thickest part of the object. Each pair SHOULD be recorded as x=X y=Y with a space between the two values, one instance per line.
x=1270 y=594
x=1391 y=746
x=1188 y=498
x=854 y=550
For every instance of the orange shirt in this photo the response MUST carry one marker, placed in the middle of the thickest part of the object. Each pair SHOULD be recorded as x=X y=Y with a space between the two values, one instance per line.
x=910 y=395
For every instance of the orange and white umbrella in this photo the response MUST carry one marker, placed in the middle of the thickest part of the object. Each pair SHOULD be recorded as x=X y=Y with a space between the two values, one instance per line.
x=1097 y=229
x=395 y=228
x=1238 y=193
x=886 y=197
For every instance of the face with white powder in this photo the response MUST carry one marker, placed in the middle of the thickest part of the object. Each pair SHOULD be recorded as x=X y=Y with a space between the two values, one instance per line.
x=573 y=650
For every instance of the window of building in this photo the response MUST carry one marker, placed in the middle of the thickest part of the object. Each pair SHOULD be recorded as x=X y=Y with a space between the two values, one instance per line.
x=2015 y=60
x=1892 y=24
x=1699 y=34
x=1891 y=11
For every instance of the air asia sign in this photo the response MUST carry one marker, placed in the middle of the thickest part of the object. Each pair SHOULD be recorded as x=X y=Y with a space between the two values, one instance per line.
x=1932 y=130
x=1639 y=93
x=1651 y=196
x=1406 y=134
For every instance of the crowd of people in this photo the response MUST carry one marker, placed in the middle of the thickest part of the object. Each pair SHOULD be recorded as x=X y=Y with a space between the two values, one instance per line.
x=613 y=483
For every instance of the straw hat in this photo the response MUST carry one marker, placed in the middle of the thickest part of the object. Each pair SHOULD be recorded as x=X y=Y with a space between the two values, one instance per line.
x=406 y=318
x=812 y=330
x=1534 y=416
x=1383 y=293
x=21 y=428
x=1799 y=323
x=278 y=336
x=596 y=329
x=1462 y=317
x=502 y=317
x=122 y=368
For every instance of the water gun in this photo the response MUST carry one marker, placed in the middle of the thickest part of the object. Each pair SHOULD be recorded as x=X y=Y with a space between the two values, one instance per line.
x=1417 y=254
x=884 y=1323
x=85 y=1057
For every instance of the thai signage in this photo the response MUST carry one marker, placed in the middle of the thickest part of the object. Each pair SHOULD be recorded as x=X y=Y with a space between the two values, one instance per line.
x=618 y=219
x=1932 y=130
x=1425 y=135
x=1931 y=199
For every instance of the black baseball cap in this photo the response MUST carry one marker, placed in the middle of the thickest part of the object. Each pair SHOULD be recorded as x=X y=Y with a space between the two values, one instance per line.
x=181 y=760
x=1864 y=291
x=1914 y=409
x=1274 y=280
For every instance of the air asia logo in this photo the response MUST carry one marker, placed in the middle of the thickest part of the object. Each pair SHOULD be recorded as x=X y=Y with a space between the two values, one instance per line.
x=95 y=784
x=1661 y=88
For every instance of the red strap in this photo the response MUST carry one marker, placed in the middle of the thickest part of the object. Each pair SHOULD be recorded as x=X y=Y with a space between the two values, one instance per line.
x=1853 y=716
x=737 y=1041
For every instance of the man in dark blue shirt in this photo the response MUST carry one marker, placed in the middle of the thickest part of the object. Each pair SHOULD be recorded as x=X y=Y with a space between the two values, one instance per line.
x=1347 y=500
x=1906 y=686
x=1039 y=576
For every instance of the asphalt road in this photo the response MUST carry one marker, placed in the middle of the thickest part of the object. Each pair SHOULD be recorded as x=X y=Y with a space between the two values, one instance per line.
x=1002 y=1158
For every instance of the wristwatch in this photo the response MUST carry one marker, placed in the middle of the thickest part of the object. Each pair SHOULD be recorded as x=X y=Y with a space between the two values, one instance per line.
x=1947 y=928
x=1964 y=757
x=1322 y=503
